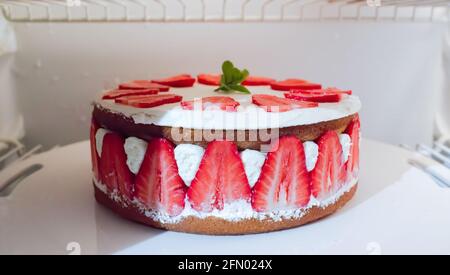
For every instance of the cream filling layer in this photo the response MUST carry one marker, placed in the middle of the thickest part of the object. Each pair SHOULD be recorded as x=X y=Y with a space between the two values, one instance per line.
x=189 y=156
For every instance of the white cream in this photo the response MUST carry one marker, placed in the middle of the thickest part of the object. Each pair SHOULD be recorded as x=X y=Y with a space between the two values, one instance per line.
x=247 y=116
x=188 y=158
x=99 y=135
x=346 y=143
x=253 y=161
x=135 y=149
x=102 y=187
x=311 y=154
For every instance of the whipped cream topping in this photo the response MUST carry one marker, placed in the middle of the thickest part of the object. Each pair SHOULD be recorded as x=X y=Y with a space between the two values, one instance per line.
x=247 y=117
x=188 y=157
x=99 y=135
x=135 y=149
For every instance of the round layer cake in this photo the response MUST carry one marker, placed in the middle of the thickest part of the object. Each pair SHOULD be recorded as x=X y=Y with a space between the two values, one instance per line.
x=224 y=154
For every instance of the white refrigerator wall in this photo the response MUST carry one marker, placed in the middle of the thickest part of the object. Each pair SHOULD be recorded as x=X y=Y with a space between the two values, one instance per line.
x=11 y=123
x=396 y=68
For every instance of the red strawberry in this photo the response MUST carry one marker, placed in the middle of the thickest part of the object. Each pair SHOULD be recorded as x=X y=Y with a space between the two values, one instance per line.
x=143 y=84
x=225 y=103
x=220 y=178
x=352 y=164
x=113 y=94
x=113 y=165
x=158 y=185
x=179 y=81
x=209 y=79
x=257 y=81
x=284 y=180
x=335 y=90
x=314 y=97
x=94 y=156
x=293 y=83
x=148 y=101
x=273 y=103
x=329 y=173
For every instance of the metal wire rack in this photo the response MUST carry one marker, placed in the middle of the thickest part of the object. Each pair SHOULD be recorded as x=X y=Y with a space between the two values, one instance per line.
x=223 y=10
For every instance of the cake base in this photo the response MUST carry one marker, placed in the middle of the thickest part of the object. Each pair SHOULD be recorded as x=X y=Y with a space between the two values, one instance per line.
x=218 y=226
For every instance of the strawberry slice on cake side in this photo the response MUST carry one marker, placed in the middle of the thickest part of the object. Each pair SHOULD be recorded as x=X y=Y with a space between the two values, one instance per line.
x=220 y=179
x=114 y=171
x=284 y=182
x=329 y=173
x=158 y=185
x=95 y=159
x=352 y=164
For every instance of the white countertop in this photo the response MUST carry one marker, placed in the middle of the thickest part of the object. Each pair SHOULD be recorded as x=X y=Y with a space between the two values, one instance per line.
x=397 y=209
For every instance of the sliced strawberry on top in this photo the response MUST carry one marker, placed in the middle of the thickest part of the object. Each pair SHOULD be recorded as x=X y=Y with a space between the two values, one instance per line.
x=148 y=101
x=178 y=81
x=257 y=81
x=143 y=84
x=352 y=164
x=220 y=178
x=94 y=156
x=335 y=90
x=209 y=79
x=114 y=171
x=113 y=94
x=225 y=103
x=294 y=83
x=329 y=173
x=322 y=91
x=284 y=181
x=271 y=103
x=314 y=97
x=158 y=185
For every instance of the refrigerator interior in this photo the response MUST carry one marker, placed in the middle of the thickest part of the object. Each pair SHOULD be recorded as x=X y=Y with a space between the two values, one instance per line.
x=392 y=56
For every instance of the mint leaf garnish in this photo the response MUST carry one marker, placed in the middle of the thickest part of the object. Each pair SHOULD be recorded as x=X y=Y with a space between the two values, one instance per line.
x=232 y=78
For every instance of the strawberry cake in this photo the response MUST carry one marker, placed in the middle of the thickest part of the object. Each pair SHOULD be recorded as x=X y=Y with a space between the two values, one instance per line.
x=227 y=153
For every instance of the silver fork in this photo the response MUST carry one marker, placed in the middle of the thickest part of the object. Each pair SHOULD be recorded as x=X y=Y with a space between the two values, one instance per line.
x=434 y=153
x=438 y=154
x=442 y=181
x=9 y=184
